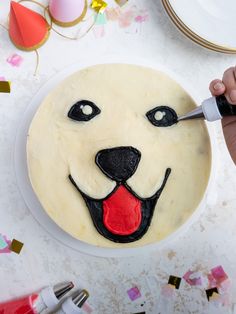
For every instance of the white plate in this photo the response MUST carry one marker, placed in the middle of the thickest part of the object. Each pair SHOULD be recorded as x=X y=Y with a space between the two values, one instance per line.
x=213 y=20
x=20 y=159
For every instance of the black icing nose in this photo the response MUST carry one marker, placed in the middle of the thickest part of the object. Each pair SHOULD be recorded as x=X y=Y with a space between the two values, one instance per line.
x=118 y=163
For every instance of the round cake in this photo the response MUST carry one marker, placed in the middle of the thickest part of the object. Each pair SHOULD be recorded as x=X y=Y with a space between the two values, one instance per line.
x=108 y=160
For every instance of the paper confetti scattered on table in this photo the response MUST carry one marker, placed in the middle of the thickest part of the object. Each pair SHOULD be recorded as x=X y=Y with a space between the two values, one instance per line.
x=134 y=293
x=216 y=277
x=5 y=87
x=98 y=5
x=142 y=17
x=211 y=292
x=215 y=297
x=16 y=246
x=127 y=17
x=4 y=244
x=219 y=274
x=192 y=278
x=101 y=19
x=15 y=60
x=175 y=281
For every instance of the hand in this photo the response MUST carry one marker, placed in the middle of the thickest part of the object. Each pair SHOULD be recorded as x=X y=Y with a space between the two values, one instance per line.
x=227 y=86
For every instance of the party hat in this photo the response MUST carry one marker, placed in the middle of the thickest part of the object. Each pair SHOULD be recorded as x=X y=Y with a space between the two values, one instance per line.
x=67 y=12
x=28 y=30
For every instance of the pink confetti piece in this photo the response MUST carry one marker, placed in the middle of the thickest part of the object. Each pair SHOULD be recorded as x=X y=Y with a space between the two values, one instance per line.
x=87 y=308
x=15 y=60
x=219 y=274
x=142 y=17
x=192 y=278
x=6 y=248
x=126 y=18
x=134 y=293
x=2 y=78
x=168 y=291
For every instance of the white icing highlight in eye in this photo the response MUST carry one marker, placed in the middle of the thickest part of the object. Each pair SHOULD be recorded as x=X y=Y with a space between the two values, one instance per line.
x=87 y=109
x=159 y=115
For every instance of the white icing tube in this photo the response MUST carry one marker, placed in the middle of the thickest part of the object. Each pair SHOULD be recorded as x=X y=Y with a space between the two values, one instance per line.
x=51 y=296
x=69 y=307
x=210 y=109
x=73 y=304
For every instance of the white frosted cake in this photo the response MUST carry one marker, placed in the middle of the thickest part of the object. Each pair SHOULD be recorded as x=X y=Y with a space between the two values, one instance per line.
x=109 y=163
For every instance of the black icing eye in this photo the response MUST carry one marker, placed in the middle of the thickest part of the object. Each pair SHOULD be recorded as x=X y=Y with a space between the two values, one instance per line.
x=83 y=110
x=162 y=116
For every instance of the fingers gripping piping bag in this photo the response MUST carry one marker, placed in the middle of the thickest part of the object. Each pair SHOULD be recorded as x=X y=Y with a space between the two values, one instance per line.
x=36 y=303
x=74 y=304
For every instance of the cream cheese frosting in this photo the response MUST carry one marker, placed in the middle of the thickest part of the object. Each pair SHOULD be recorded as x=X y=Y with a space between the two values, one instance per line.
x=59 y=146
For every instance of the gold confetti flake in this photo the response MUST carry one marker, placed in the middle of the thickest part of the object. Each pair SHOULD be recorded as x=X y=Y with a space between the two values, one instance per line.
x=98 y=5
x=5 y=87
x=16 y=246
x=174 y=281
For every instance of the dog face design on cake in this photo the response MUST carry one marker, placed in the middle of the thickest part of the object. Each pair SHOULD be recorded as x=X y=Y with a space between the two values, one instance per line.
x=108 y=161
x=122 y=216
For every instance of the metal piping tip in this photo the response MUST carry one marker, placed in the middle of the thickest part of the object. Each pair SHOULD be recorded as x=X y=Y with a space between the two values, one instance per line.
x=62 y=288
x=197 y=113
x=80 y=298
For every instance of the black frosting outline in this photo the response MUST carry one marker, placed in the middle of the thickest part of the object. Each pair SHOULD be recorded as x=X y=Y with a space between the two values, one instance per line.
x=168 y=119
x=118 y=163
x=76 y=113
x=147 y=210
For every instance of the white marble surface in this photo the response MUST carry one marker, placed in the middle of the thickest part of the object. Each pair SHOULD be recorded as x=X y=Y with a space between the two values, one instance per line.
x=209 y=242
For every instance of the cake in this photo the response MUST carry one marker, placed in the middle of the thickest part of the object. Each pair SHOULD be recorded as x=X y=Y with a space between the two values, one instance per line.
x=108 y=161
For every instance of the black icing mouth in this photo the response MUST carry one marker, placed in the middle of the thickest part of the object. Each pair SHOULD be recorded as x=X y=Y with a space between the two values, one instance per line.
x=147 y=207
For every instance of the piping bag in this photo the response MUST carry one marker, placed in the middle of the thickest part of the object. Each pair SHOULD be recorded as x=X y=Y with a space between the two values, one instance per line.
x=73 y=304
x=212 y=109
x=44 y=301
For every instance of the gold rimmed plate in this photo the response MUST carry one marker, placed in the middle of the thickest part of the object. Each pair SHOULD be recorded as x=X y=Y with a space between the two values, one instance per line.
x=196 y=20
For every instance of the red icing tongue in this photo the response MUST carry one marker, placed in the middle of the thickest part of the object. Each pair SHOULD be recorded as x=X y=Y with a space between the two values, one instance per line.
x=122 y=212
